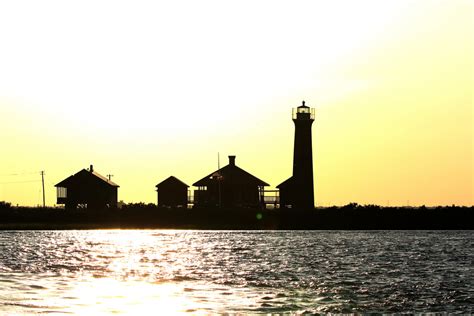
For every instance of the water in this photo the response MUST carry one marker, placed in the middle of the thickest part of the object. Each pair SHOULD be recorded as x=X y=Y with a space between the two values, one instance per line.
x=202 y=272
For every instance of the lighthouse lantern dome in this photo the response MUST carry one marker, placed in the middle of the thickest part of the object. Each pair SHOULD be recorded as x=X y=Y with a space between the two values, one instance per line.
x=303 y=112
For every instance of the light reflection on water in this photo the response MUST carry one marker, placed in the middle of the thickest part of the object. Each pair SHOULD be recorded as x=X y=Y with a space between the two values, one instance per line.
x=89 y=296
x=201 y=272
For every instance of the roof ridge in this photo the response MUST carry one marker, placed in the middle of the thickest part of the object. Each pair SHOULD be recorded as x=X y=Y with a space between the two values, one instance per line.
x=172 y=177
x=223 y=169
x=94 y=173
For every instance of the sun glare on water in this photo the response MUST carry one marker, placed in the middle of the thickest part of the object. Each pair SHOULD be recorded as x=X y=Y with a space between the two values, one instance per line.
x=138 y=278
x=99 y=296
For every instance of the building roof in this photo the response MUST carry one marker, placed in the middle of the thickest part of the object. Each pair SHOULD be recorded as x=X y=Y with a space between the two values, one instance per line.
x=231 y=171
x=172 y=179
x=285 y=183
x=66 y=182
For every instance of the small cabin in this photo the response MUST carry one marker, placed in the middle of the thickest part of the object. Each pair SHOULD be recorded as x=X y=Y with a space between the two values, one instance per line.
x=87 y=189
x=229 y=186
x=286 y=193
x=172 y=192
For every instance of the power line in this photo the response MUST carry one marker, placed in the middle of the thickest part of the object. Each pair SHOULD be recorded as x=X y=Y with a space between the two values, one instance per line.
x=18 y=174
x=26 y=181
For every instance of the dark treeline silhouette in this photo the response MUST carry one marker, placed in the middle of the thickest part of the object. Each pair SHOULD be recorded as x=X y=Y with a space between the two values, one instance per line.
x=140 y=215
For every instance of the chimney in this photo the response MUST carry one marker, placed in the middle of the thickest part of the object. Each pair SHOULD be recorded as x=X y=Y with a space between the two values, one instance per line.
x=91 y=169
x=232 y=160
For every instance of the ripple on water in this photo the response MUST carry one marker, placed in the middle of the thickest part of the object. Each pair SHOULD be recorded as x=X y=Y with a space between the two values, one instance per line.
x=255 y=272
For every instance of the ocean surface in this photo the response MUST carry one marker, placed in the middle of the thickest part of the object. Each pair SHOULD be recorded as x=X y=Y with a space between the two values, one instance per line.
x=167 y=272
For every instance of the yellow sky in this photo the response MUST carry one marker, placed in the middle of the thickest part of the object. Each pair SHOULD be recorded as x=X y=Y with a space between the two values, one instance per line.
x=144 y=90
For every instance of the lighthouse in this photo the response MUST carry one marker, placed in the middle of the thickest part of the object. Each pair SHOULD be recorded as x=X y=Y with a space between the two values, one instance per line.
x=298 y=191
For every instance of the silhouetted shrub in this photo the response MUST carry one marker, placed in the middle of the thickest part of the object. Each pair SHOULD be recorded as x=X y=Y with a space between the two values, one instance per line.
x=5 y=205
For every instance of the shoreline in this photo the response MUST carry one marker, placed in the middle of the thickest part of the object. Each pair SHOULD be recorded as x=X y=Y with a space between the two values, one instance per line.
x=352 y=217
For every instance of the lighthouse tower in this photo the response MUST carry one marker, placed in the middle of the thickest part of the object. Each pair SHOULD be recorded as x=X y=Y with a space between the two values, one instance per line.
x=298 y=191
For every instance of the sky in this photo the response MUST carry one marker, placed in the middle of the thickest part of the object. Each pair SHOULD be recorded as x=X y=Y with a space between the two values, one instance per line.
x=147 y=89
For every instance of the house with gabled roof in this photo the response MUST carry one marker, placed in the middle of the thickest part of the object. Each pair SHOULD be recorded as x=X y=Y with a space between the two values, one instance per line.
x=172 y=192
x=87 y=189
x=229 y=186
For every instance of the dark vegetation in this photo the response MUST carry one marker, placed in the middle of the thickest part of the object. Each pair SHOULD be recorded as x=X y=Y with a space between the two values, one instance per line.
x=131 y=216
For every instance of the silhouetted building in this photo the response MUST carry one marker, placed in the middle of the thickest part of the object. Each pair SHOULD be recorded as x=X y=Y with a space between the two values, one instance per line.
x=298 y=191
x=172 y=192
x=87 y=189
x=230 y=186
x=286 y=193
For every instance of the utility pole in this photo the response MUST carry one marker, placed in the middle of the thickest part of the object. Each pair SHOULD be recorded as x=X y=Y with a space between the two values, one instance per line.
x=110 y=176
x=219 y=178
x=42 y=182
